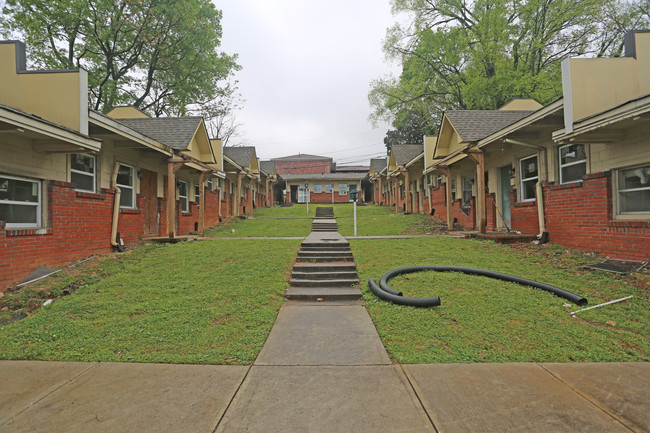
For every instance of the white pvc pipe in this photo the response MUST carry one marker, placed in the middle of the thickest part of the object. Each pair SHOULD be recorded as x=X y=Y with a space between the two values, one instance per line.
x=116 y=205
x=600 y=305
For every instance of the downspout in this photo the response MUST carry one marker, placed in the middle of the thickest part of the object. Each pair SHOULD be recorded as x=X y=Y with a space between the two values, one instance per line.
x=542 y=237
x=116 y=209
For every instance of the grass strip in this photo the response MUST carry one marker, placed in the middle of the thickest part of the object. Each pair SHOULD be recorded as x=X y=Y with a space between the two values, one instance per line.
x=487 y=320
x=207 y=302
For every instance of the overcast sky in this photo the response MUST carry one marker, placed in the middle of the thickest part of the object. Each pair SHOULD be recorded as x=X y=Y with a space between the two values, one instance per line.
x=307 y=68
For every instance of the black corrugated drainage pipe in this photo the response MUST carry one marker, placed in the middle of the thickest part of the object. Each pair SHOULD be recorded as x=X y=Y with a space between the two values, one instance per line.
x=386 y=293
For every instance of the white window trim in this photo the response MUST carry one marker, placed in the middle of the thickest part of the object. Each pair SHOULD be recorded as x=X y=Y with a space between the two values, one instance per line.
x=197 y=189
x=345 y=192
x=131 y=187
x=37 y=204
x=83 y=173
x=522 y=180
x=185 y=205
x=619 y=191
x=561 y=166
x=318 y=188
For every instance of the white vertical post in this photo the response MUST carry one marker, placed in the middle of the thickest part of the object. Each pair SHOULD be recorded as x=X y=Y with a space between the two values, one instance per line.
x=355 y=218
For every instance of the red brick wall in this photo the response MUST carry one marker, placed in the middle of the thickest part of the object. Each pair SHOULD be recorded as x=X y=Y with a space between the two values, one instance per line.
x=581 y=215
x=466 y=220
x=303 y=167
x=438 y=201
x=523 y=215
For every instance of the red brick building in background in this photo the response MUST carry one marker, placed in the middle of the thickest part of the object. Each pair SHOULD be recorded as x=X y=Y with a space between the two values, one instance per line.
x=304 y=164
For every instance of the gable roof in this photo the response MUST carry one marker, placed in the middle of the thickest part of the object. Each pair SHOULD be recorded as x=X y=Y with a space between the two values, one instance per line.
x=377 y=164
x=174 y=132
x=241 y=156
x=404 y=153
x=301 y=157
x=473 y=125
x=267 y=167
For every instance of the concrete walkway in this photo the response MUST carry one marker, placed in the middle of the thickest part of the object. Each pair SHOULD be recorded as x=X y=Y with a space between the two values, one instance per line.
x=324 y=369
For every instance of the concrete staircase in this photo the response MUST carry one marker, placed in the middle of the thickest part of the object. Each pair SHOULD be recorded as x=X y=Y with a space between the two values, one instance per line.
x=324 y=269
x=324 y=220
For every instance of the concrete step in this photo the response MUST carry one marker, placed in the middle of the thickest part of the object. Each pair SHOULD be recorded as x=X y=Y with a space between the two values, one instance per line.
x=333 y=244
x=331 y=248
x=324 y=267
x=326 y=275
x=323 y=294
x=323 y=227
x=347 y=254
x=312 y=259
x=318 y=283
x=322 y=230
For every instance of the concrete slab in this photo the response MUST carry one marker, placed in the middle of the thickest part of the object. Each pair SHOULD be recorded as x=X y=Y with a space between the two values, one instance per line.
x=26 y=382
x=323 y=335
x=120 y=397
x=504 y=398
x=331 y=238
x=325 y=399
x=621 y=388
x=324 y=293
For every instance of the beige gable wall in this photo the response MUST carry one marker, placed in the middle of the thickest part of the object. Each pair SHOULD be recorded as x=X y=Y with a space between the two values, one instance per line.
x=523 y=104
x=217 y=147
x=591 y=86
x=128 y=112
x=429 y=146
x=60 y=97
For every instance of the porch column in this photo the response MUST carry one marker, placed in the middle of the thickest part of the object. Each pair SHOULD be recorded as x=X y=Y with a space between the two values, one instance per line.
x=204 y=175
x=251 y=196
x=396 y=194
x=481 y=213
x=450 y=218
x=238 y=196
x=407 y=188
x=379 y=195
x=173 y=165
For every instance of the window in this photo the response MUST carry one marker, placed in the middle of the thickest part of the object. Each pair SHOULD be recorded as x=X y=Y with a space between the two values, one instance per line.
x=318 y=188
x=453 y=189
x=125 y=183
x=20 y=201
x=329 y=187
x=343 y=189
x=197 y=192
x=467 y=191
x=438 y=180
x=529 y=175
x=633 y=190
x=220 y=183
x=82 y=172
x=572 y=163
x=182 y=195
x=210 y=185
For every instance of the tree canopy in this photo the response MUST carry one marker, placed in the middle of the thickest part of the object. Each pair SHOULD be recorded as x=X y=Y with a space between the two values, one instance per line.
x=161 y=56
x=480 y=54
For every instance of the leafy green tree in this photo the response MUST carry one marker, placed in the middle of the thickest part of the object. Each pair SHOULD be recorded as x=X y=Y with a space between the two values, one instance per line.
x=458 y=54
x=158 y=55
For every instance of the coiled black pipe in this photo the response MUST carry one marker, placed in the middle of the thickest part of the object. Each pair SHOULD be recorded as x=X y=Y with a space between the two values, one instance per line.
x=397 y=298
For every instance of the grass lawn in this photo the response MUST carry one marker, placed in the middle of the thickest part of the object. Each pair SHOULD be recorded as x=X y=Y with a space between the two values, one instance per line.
x=486 y=320
x=194 y=302
x=295 y=221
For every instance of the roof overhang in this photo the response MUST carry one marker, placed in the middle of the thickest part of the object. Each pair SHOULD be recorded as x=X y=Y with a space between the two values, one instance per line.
x=608 y=126
x=118 y=128
x=45 y=136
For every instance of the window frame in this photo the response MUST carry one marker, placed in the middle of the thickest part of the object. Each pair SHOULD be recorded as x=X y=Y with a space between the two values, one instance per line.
x=38 y=204
x=329 y=186
x=83 y=173
x=345 y=191
x=131 y=187
x=318 y=188
x=197 y=192
x=618 y=191
x=528 y=179
x=561 y=166
x=185 y=205
x=465 y=181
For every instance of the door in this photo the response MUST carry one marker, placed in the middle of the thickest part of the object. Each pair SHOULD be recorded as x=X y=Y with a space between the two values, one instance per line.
x=149 y=191
x=504 y=175
x=294 y=193
x=302 y=194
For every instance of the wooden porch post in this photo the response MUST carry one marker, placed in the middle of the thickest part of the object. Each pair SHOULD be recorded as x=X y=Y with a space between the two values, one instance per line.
x=204 y=175
x=407 y=188
x=238 y=196
x=481 y=211
x=251 y=196
x=450 y=218
x=173 y=165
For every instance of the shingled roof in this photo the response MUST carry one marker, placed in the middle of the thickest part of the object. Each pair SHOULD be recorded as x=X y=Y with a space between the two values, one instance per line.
x=240 y=155
x=301 y=157
x=267 y=167
x=404 y=153
x=474 y=125
x=377 y=164
x=174 y=132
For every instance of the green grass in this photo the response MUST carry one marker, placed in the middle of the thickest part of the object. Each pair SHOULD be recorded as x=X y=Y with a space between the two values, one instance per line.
x=487 y=320
x=197 y=302
x=295 y=221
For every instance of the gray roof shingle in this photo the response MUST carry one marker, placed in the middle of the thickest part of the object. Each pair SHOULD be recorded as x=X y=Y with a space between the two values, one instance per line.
x=474 y=125
x=378 y=164
x=240 y=155
x=404 y=153
x=267 y=167
x=174 y=132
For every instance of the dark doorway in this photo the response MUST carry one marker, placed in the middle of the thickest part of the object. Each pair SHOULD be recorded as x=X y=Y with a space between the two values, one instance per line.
x=294 y=193
x=148 y=190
